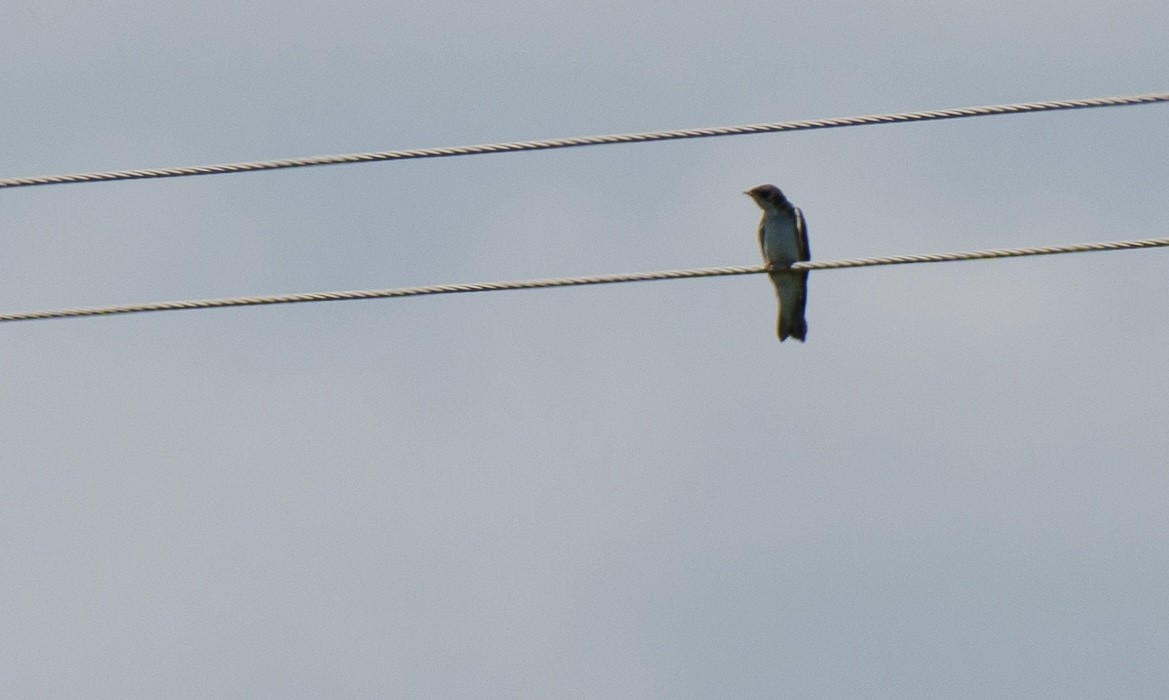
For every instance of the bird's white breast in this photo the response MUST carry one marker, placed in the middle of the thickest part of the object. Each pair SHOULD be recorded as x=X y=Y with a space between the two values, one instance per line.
x=780 y=240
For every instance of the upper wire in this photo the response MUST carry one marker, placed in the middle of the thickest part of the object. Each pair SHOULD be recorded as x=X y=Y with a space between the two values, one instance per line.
x=643 y=137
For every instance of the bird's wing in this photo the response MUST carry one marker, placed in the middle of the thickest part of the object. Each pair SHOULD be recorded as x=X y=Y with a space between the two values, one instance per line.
x=802 y=234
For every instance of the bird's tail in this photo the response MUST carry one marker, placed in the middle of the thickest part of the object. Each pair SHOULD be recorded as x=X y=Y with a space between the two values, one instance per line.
x=792 y=290
x=793 y=326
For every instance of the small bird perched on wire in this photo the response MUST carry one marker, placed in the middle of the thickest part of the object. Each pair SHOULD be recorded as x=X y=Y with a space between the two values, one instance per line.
x=783 y=238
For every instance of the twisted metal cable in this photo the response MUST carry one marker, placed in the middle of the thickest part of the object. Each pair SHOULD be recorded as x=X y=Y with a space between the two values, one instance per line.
x=514 y=147
x=989 y=254
x=576 y=281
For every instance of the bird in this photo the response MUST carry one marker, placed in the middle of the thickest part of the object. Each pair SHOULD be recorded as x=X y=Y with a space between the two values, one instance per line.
x=783 y=239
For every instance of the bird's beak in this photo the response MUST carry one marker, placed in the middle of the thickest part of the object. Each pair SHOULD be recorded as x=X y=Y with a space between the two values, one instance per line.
x=747 y=192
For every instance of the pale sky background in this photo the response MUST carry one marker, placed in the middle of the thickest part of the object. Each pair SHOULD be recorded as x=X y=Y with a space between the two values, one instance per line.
x=956 y=488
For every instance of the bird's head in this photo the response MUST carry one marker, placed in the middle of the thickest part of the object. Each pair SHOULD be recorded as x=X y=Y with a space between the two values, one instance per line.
x=767 y=196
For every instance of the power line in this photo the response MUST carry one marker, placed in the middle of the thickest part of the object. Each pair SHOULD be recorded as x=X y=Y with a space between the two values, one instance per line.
x=515 y=147
x=576 y=281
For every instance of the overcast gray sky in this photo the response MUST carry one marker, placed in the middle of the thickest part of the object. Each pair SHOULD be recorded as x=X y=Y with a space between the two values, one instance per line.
x=955 y=488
